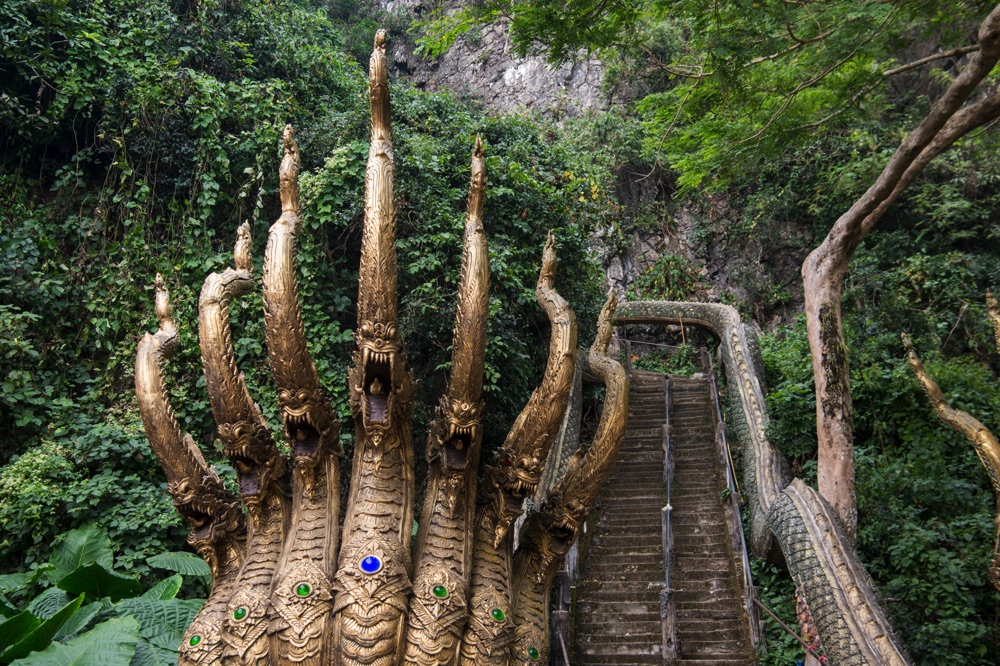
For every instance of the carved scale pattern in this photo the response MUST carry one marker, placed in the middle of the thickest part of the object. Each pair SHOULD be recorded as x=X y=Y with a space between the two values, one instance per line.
x=302 y=595
x=370 y=607
x=438 y=606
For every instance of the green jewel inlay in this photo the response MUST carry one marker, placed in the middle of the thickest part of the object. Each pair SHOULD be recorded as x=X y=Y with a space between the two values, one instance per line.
x=497 y=614
x=195 y=640
x=240 y=613
x=533 y=652
x=303 y=590
x=440 y=591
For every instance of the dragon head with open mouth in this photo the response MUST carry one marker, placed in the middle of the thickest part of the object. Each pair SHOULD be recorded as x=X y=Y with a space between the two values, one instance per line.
x=456 y=432
x=260 y=469
x=511 y=478
x=214 y=515
x=309 y=423
x=378 y=378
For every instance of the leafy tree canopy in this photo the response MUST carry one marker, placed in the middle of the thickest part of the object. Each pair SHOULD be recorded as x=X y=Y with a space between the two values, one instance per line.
x=728 y=85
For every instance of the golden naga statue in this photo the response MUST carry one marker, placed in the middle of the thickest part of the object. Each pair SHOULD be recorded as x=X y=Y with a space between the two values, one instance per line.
x=290 y=585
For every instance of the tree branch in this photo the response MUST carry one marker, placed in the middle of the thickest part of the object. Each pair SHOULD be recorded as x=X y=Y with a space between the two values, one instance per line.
x=816 y=79
x=931 y=58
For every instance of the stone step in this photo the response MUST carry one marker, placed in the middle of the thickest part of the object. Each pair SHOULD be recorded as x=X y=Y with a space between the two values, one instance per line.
x=617 y=598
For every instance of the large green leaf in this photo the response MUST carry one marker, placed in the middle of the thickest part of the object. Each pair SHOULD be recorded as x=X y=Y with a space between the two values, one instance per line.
x=7 y=609
x=110 y=643
x=17 y=581
x=10 y=582
x=181 y=562
x=162 y=623
x=80 y=547
x=14 y=629
x=165 y=589
x=97 y=581
x=78 y=621
x=46 y=604
x=147 y=654
x=42 y=635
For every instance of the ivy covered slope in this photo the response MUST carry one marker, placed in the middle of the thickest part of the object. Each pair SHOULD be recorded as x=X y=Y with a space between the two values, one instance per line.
x=136 y=136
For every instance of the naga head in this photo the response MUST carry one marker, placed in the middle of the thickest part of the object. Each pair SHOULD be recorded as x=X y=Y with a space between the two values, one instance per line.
x=455 y=434
x=309 y=424
x=211 y=511
x=259 y=468
x=202 y=643
x=377 y=377
x=510 y=479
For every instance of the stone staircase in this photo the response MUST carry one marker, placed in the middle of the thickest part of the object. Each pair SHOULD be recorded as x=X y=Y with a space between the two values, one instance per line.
x=617 y=600
x=711 y=623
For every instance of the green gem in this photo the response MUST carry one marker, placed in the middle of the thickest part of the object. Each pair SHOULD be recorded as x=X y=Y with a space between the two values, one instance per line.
x=303 y=590
x=240 y=613
x=533 y=653
x=440 y=591
x=497 y=614
x=195 y=640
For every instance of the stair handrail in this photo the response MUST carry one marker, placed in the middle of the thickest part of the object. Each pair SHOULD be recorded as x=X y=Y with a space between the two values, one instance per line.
x=739 y=540
x=668 y=610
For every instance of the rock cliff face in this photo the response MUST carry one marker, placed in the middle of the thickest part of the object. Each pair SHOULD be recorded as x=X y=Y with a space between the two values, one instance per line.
x=480 y=64
x=750 y=266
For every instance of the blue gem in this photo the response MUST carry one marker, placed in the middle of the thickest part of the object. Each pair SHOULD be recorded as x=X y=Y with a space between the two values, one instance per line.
x=371 y=564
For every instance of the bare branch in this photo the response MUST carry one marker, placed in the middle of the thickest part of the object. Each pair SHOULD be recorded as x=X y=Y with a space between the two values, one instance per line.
x=931 y=58
x=809 y=40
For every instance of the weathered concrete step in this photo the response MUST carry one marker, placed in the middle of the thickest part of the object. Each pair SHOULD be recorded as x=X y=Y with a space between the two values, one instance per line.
x=634 y=575
x=639 y=467
x=730 y=631
x=716 y=529
x=614 y=554
x=710 y=614
x=714 y=661
x=687 y=568
x=638 y=503
x=615 y=659
x=700 y=598
x=632 y=642
x=628 y=542
x=711 y=648
x=603 y=628
x=653 y=586
x=641 y=524
x=648 y=610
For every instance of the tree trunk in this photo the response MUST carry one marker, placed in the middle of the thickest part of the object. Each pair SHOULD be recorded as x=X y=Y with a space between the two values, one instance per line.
x=824 y=269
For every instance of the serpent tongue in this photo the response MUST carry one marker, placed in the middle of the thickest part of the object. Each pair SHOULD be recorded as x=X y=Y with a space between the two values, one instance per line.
x=376 y=408
x=378 y=402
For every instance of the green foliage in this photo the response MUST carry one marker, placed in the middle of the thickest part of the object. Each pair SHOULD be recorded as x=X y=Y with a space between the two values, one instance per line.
x=684 y=360
x=98 y=468
x=670 y=278
x=777 y=593
x=182 y=563
x=111 y=643
x=723 y=91
x=124 y=627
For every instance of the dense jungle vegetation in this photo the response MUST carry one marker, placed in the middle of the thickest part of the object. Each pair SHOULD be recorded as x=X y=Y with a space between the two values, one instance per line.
x=136 y=136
